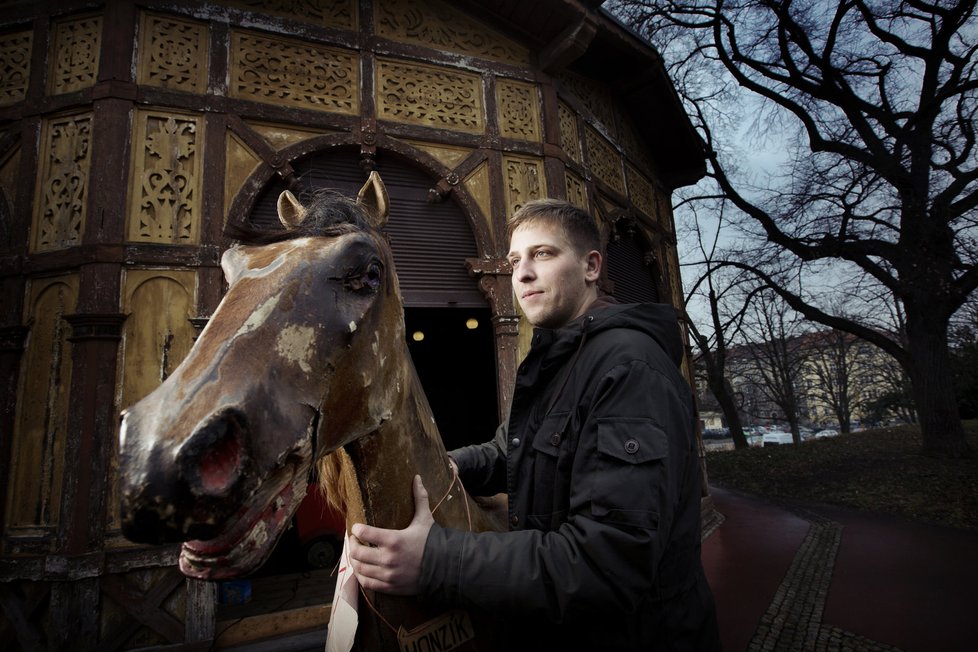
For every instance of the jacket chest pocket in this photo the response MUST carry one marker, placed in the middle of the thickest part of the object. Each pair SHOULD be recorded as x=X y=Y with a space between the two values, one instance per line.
x=630 y=483
x=549 y=490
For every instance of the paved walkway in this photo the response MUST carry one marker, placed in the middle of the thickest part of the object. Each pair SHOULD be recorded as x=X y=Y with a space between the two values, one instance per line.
x=788 y=577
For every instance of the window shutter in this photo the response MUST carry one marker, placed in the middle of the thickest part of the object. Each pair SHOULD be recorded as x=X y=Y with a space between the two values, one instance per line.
x=430 y=241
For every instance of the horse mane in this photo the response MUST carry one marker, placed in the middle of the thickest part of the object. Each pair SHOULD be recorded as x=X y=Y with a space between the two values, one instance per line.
x=338 y=484
x=328 y=214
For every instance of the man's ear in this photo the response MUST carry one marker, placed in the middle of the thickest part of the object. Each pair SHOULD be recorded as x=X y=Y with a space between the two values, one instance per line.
x=593 y=270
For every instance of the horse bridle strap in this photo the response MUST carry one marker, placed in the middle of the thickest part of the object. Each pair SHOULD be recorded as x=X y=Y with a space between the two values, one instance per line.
x=448 y=495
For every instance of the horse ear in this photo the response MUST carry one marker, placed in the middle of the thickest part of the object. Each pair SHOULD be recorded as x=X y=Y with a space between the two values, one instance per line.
x=233 y=263
x=290 y=211
x=373 y=195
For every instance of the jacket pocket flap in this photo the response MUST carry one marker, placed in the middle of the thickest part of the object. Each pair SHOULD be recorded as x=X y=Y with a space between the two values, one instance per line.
x=632 y=440
x=550 y=435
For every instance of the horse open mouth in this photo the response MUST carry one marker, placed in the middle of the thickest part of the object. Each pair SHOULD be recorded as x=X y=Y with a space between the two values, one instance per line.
x=249 y=540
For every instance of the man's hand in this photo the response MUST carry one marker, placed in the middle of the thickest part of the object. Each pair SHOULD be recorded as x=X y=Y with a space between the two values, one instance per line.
x=389 y=561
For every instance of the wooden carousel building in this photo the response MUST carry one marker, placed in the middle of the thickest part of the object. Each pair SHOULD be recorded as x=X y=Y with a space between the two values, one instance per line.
x=133 y=131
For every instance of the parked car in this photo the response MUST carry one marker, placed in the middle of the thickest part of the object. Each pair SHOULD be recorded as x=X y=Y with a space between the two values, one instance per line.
x=716 y=433
x=776 y=438
x=320 y=529
x=827 y=432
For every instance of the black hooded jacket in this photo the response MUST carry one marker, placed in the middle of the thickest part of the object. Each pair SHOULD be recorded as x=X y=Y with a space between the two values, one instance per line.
x=599 y=460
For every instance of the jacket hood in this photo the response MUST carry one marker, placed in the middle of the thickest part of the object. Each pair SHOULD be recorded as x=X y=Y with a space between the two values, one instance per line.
x=657 y=320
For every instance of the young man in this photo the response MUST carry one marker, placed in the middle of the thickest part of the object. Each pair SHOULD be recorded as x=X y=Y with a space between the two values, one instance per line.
x=599 y=460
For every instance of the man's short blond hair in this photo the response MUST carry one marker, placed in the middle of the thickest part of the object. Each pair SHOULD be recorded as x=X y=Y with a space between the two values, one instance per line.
x=578 y=225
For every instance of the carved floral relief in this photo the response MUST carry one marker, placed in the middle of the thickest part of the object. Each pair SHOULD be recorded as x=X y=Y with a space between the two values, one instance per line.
x=294 y=73
x=440 y=26
x=524 y=181
x=74 y=64
x=519 y=110
x=62 y=185
x=576 y=190
x=603 y=160
x=15 y=66
x=640 y=191
x=595 y=97
x=172 y=53
x=165 y=202
x=430 y=96
x=570 y=139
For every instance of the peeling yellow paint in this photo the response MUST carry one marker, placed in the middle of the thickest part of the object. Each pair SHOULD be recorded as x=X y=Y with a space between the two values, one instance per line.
x=296 y=344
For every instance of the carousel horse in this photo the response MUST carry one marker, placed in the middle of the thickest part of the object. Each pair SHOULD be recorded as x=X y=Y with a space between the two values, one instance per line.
x=303 y=363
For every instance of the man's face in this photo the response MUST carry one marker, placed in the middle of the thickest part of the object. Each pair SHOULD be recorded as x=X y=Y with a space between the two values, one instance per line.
x=553 y=283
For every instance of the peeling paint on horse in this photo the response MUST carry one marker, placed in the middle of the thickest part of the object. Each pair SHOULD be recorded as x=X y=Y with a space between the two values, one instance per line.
x=296 y=344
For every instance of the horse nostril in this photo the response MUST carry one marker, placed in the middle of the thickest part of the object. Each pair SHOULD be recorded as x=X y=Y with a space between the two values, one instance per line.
x=213 y=458
x=219 y=465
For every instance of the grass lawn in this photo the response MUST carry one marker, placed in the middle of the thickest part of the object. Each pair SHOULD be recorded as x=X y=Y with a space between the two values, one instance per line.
x=878 y=470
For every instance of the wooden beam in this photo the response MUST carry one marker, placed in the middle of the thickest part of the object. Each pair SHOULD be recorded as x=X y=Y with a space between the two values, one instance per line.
x=569 y=44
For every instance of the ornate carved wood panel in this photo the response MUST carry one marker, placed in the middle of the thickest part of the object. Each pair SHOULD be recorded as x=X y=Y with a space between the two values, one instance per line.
x=74 y=65
x=430 y=96
x=165 y=201
x=62 y=184
x=15 y=62
x=603 y=160
x=519 y=110
x=570 y=138
x=524 y=181
x=172 y=53
x=640 y=191
x=288 y=71
x=576 y=190
x=439 y=25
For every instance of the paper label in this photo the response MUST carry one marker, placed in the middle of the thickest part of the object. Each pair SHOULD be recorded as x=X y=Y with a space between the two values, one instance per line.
x=446 y=632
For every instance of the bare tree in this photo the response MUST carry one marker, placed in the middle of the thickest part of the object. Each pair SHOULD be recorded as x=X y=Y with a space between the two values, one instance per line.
x=892 y=397
x=777 y=353
x=964 y=361
x=831 y=358
x=721 y=294
x=880 y=175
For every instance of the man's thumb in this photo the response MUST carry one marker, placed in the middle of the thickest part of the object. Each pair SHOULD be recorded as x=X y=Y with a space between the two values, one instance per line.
x=421 y=506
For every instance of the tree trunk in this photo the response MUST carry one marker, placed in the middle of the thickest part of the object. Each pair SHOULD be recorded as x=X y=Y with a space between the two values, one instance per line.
x=933 y=389
x=729 y=408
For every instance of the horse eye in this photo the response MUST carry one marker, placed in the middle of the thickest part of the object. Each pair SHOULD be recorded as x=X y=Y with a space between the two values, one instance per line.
x=367 y=279
x=373 y=275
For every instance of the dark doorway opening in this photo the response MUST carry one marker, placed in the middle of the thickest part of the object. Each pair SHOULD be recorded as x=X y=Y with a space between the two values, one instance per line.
x=457 y=365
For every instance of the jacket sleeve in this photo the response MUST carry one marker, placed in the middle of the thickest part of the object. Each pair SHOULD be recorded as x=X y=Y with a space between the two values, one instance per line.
x=482 y=467
x=632 y=458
